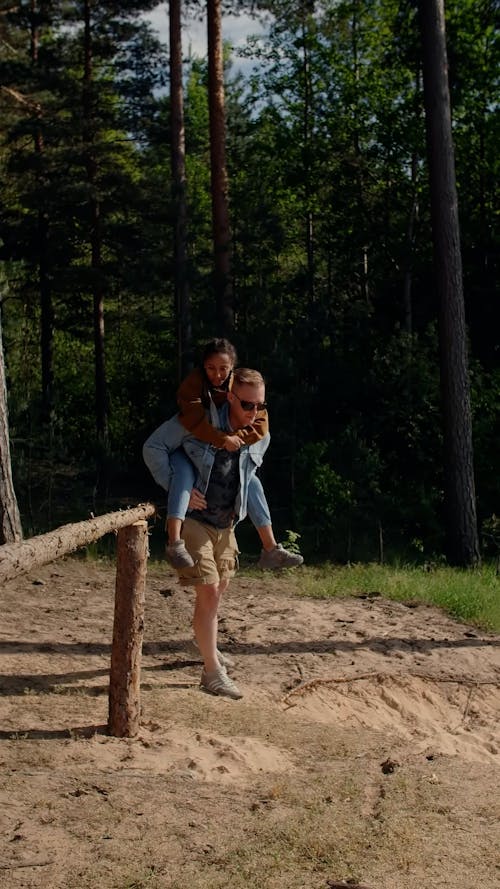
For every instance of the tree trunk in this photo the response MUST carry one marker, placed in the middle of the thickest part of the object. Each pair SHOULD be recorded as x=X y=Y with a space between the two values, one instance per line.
x=218 y=170
x=46 y=318
x=19 y=558
x=128 y=631
x=182 y=295
x=307 y=23
x=101 y=397
x=46 y=307
x=462 y=546
x=308 y=124
x=410 y=239
x=101 y=389
x=10 y=521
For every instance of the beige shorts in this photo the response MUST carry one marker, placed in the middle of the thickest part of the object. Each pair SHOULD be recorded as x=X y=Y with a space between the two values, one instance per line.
x=214 y=550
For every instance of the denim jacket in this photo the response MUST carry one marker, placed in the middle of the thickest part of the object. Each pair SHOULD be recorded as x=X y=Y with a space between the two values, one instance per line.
x=172 y=435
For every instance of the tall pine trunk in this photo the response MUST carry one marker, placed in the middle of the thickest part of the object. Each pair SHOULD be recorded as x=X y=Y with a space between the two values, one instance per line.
x=412 y=217
x=101 y=399
x=462 y=544
x=178 y=161
x=45 y=290
x=218 y=170
x=10 y=521
x=306 y=14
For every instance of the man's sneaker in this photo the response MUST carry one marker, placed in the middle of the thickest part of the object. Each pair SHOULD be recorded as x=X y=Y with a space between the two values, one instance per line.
x=279 y=557
x=224 y=659
x=177 y=555
x=218 y=682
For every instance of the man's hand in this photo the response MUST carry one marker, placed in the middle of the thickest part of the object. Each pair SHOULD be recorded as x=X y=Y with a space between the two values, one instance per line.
x=197 y=500
x=233 y=443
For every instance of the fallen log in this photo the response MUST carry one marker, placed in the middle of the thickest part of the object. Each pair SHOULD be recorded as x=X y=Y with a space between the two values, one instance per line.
x=19 y=558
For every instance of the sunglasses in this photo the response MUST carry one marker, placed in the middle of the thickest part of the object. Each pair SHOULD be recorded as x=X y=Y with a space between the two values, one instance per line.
x=251 y=405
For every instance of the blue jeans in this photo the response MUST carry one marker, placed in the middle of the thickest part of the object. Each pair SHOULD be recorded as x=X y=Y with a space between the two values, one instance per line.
x=183 y=480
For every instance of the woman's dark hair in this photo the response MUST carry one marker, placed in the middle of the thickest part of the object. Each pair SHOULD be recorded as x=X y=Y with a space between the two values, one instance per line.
x=219 y=346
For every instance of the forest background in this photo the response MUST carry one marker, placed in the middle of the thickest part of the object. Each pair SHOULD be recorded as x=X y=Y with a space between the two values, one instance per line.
x=332 y=275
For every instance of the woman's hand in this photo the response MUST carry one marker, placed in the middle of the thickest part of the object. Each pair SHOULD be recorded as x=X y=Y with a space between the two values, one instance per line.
x=233 y=443
x=197 y=500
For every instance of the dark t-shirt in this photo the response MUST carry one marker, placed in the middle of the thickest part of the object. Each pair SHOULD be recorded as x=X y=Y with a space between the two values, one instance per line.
x=222 y=491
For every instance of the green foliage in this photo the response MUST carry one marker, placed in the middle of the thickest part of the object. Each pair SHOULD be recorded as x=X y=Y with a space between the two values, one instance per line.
x=291 y=541
x=491 y=537
x=323 y=496
x=486 y=414
x=332 y=279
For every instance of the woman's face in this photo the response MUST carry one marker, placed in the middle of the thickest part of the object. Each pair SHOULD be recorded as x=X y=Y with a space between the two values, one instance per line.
x=217 y=368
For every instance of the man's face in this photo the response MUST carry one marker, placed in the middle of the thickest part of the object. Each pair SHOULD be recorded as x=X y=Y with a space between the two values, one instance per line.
x=242 y=414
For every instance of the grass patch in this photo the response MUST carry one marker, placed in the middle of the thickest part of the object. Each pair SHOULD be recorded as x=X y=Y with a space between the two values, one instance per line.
x=469 y=595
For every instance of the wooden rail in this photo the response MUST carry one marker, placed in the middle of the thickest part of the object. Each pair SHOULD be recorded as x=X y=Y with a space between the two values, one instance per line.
x=128 y=624
x=19 y=558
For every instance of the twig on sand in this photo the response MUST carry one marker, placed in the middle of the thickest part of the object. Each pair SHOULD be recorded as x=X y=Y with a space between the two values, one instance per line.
x=333 y=884
x=314 y=683
x=467 y=705
x=299 y=668
x=26 y=864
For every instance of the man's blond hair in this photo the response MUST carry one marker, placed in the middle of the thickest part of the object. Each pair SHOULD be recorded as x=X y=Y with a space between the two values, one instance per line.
x=245 y=375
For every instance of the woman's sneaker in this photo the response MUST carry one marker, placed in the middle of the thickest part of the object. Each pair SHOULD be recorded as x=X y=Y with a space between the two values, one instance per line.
x=279 y=557
x=217 y=682
x=177 y=555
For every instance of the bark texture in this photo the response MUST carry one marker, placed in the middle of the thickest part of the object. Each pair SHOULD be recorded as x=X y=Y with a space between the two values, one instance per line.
x=97 y=277
x=10 y=520
x=128 y=631
x=19 y=558
x=178 y=160
x=218 y=169
x=460 y=499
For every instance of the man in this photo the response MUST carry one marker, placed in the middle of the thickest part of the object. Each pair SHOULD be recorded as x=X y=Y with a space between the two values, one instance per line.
x=217 y=502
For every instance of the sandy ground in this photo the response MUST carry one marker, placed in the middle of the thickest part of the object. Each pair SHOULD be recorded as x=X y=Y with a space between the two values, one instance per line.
x=365 y=751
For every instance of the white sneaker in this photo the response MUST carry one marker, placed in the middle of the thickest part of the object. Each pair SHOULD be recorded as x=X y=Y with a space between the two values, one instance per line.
x=217 y=682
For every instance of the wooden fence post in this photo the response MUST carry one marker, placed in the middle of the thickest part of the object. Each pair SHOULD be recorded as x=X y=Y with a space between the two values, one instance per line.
x=128 y=631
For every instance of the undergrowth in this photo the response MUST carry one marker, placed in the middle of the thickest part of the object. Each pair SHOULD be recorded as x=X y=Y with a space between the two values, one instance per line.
x=469 y=595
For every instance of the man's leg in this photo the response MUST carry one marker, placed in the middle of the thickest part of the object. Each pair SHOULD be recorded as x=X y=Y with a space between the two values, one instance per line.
x=214 y=678
x=208 y=596
x=214 y=552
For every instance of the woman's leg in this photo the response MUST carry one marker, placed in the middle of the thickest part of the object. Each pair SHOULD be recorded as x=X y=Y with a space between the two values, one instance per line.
x=274 y=555
x=259 y=513
x=181 y=485
x=257 y=506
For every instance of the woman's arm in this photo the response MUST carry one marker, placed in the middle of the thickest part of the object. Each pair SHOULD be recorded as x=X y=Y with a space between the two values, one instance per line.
x=259 y=428
x=192 y=412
